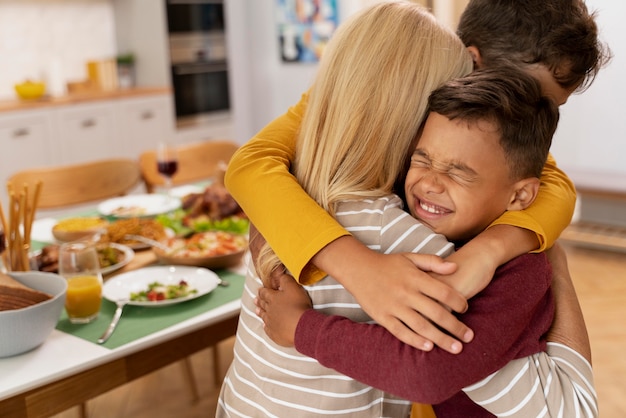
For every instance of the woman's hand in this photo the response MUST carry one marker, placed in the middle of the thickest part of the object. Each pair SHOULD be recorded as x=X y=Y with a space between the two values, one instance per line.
x=281 y=309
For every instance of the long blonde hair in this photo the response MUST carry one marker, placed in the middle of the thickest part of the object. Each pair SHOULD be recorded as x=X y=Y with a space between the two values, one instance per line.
x=368 y=101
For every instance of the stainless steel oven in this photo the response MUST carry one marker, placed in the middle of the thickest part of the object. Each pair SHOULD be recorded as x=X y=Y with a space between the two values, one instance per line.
x=200 y=87
x=199 y=63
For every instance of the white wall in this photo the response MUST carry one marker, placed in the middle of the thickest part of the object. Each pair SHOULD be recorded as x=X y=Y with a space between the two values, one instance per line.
x=37 y=35
x=590 y=143
x=262 y=86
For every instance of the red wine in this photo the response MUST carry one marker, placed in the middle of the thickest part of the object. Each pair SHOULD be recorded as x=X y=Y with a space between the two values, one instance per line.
x=167 y=168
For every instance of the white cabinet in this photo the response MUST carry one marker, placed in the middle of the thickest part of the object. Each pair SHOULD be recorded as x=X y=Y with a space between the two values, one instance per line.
x=87 y=132
x=144 y=122
x=218 y=126
x=25 y=141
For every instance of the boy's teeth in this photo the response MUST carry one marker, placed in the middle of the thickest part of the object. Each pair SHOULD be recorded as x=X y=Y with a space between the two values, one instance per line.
x=430 y=209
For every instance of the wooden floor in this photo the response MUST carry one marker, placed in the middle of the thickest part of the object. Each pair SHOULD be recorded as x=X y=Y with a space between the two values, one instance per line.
x=600 y=279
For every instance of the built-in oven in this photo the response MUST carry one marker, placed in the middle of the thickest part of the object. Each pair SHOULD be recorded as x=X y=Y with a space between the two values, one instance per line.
x=200 y=87
x=199 y=63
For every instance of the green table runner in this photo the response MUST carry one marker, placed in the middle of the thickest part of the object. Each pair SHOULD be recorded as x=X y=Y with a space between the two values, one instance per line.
x=139 y=321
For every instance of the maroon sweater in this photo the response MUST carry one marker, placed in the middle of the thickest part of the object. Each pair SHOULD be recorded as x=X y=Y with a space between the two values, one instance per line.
x=509 y=318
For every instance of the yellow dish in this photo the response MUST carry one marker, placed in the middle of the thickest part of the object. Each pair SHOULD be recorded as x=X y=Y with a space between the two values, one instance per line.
x=73 y=229
x=29 y=90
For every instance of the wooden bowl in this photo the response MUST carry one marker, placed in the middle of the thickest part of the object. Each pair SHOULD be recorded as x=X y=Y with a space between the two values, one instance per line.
x=73 y=229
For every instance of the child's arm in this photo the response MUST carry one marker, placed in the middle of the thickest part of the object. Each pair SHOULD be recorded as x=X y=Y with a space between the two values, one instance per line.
x=516 y=233
x=508 y=318
x=561 y=370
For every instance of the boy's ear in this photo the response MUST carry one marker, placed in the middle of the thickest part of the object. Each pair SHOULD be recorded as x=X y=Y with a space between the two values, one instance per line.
x=524 y=193
x=476 y=57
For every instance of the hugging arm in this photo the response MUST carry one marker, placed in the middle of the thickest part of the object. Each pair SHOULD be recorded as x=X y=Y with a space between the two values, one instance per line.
x=518 y=389
x=372 y=355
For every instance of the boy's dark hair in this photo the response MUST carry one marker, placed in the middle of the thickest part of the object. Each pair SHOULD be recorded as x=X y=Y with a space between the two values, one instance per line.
x=511 y=100
x=560 y=34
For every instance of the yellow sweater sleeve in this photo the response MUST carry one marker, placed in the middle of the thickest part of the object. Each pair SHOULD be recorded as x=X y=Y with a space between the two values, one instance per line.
x=552 y=210
x=292 y=222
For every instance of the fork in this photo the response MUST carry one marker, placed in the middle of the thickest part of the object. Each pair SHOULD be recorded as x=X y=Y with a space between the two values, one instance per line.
x=116 y=318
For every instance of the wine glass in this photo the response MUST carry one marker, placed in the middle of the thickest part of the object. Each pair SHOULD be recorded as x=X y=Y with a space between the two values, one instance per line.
x=167 y=163
x=80 y=266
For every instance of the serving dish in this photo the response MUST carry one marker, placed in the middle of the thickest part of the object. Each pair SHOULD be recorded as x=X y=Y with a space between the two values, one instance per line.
x=46 y=259
x=212 y=249
x=73 y=229
x=120 y=287
x=138 y=206
x=118 y=230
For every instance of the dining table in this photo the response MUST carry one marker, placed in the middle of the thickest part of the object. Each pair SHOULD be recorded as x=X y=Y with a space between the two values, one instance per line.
x=70 y=367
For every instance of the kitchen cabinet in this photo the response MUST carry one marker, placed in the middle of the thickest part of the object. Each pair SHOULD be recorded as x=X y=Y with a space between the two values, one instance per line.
x=141 y=123
x=73 y=131
x=87 y=132
x=25 y=140
x=215 y=127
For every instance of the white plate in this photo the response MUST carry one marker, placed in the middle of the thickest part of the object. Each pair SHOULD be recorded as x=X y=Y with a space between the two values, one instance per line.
x=182 y=191
x=139 y=205
x=129 y=254
x=121 y=286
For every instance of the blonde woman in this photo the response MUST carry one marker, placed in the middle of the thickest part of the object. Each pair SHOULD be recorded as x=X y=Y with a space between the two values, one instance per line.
x=365 y=108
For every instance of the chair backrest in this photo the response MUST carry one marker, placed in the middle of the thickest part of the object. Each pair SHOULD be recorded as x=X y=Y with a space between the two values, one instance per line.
x=80 y=183
x=196 y=161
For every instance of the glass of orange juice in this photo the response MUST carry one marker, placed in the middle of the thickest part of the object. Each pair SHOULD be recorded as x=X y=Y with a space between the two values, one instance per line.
x=78 y=263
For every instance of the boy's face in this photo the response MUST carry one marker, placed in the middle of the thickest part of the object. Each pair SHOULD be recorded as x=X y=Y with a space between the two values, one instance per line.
x=458 y=181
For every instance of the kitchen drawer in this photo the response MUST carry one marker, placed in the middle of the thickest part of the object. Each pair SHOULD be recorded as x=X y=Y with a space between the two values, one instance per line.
x=25 y=142
x=87 y=132
x=145 y=122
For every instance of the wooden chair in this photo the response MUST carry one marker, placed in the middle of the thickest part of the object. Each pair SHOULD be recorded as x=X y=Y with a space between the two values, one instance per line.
x=80 y=183
x=196 y=161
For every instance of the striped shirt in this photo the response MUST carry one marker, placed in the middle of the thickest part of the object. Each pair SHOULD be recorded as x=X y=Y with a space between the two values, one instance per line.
x=555 y=383
x=273 y=381
x=269 y=380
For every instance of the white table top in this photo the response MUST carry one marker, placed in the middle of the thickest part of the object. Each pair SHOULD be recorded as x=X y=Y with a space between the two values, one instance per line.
x=63 y=355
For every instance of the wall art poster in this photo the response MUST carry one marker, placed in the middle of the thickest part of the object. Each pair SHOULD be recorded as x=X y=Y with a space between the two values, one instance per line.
x=304 y=28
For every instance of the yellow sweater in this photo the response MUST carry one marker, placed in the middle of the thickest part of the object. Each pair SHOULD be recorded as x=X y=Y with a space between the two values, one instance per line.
x=297 y=228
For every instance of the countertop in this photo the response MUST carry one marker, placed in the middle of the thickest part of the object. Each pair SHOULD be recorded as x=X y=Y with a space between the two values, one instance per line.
x=83 y=97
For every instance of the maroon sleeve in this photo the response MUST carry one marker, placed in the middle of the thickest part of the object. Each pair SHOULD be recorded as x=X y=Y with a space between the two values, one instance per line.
x=509 y=319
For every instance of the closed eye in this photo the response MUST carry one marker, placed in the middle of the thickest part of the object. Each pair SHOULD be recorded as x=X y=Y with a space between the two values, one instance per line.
x=420 y=159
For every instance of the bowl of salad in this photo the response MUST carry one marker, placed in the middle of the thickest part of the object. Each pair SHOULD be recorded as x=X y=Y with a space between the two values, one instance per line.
x=211 y=249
